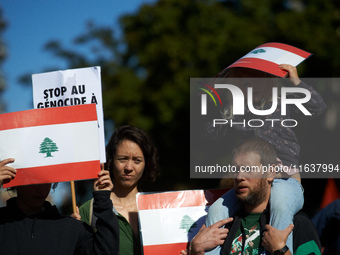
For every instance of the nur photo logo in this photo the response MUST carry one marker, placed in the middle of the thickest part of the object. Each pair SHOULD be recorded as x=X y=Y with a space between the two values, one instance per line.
x=204 y=97
x=243 y=99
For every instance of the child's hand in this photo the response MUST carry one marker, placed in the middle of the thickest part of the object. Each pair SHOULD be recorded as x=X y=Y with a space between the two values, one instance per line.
x=104 y=180
x=292 y=73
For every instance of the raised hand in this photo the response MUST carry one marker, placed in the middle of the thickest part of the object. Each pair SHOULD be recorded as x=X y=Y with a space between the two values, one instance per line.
x=292 y=73
x=104 y=180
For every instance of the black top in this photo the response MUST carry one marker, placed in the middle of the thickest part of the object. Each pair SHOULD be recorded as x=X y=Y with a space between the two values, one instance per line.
x=48 y=232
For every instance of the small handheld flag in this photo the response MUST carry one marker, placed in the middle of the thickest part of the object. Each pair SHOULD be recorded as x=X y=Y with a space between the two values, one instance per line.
x=267 y=58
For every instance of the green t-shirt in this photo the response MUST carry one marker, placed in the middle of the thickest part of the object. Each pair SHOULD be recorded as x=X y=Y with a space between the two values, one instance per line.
x=129 y=244
x=248 y=239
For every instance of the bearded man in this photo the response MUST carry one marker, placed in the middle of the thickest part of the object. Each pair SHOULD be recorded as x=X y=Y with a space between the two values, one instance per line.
x=248 y=232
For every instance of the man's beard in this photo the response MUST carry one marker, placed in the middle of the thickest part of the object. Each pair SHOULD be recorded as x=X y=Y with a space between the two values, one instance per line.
x=255 y=196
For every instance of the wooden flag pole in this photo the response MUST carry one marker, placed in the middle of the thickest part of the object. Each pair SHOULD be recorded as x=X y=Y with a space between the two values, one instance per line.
x=73 y=194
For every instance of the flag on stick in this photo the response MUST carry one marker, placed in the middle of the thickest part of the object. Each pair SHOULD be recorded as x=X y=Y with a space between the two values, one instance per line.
x=51 y=145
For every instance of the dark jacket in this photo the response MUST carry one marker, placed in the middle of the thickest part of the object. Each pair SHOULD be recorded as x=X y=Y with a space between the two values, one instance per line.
x=327 y=224
x=49 y=232
x=305 y=238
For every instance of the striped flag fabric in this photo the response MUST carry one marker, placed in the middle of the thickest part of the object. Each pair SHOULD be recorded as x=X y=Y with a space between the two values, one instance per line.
x=51 y=145
x=169 y=220
x=267 y=57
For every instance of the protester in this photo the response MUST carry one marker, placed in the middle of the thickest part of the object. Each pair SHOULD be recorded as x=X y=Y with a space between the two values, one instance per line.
x=327 y=224
x=248 y=232
x=287 y=192
x=131 y=159
x=31 y=225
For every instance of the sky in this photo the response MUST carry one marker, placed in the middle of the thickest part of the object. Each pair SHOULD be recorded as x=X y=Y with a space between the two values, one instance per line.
x=33 y=23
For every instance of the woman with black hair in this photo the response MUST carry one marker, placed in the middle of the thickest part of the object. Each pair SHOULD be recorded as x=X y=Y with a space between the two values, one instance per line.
x=132 y=158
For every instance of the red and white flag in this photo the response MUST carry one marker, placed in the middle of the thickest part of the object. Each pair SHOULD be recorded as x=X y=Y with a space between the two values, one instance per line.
x=169 y=220
x=267 y=58
x=51 y=145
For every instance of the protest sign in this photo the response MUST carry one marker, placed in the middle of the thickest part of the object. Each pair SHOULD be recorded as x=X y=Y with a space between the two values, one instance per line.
x=71 y=87
x=169 y=220
x=267 y=58
x=51 y=145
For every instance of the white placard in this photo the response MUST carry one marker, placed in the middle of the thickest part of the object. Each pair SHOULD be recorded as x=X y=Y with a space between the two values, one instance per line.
x=71 y=87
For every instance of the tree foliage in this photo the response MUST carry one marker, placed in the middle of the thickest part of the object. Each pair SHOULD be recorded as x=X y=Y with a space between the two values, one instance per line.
x=146 y=71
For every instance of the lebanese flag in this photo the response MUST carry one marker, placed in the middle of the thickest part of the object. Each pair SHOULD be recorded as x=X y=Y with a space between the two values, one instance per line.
x=51 y=145
x=169 y=220
x=267 y=58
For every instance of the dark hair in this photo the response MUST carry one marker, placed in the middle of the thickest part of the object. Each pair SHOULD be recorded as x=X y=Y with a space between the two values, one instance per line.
x=259 y=146
x=138 y=136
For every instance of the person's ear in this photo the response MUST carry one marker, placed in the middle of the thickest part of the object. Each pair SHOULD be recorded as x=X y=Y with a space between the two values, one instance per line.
x=271 y=173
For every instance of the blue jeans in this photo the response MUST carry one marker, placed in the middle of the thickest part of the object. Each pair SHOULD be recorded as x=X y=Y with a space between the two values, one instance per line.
x=285 y=201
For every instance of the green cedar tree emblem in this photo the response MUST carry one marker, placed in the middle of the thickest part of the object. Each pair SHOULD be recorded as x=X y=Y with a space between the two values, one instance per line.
x=187 y=223
x=48 y=146
x=258 y=51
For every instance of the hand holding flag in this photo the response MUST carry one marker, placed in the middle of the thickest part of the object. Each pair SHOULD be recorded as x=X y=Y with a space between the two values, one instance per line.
x=76 y=214
x=7 y=172
x=102 y=183
x=104 y=180
x=292 y=73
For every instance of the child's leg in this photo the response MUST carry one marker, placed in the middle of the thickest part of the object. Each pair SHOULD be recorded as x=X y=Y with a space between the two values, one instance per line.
x=224 y=207
x=285 y=201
